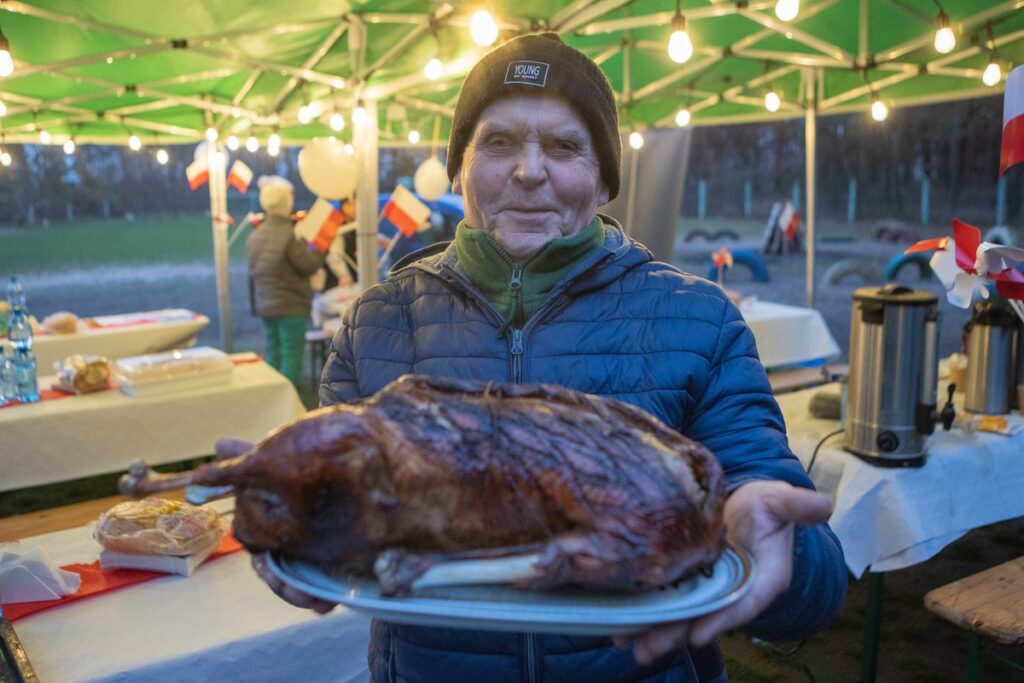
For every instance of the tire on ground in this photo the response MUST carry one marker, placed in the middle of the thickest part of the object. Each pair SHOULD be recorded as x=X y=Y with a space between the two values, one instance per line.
x=748 y=259
x=863 y=268
x=899 y=261
x=694 y=234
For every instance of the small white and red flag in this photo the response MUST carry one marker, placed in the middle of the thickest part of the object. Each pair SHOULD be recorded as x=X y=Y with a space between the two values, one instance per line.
x=320 y=224
x=1012 y=149
x=406 y=212
x=789 y=220
x=198 y=173
x=722 y=257
x=240 y=176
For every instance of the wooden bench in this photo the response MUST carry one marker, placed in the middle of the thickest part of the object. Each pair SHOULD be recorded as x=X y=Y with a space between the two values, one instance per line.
x=989 y=603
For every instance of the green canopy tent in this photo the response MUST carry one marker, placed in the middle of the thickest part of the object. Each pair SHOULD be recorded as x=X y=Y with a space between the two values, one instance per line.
x=101 y=71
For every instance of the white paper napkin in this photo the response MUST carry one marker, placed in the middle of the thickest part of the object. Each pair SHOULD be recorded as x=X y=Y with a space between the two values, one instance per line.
x=31 y=577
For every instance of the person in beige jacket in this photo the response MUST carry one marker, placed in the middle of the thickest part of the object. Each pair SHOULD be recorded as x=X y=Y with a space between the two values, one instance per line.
x=280 y=265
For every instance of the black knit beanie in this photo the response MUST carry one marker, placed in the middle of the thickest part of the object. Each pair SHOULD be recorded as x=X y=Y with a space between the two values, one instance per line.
x=541 y=63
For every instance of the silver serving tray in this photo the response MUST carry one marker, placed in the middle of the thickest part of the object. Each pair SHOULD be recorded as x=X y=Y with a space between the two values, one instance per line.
x=568 y=611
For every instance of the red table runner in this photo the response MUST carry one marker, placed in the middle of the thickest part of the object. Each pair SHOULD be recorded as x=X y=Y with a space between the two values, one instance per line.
x=96 y=581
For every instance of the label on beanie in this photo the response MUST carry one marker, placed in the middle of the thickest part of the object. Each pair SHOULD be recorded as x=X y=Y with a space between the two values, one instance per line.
x=527 y=73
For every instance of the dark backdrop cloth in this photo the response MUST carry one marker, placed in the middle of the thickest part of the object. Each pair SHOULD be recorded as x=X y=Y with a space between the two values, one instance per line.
x=658 y=197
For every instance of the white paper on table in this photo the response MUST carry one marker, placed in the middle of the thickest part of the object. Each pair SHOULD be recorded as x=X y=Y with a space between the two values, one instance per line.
x=32 y=577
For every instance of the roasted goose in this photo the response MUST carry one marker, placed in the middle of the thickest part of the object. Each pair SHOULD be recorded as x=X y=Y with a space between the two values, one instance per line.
x=430 y=470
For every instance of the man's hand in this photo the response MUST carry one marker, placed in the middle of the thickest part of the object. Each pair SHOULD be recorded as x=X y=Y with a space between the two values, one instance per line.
x=286 y=592
x=760 y=517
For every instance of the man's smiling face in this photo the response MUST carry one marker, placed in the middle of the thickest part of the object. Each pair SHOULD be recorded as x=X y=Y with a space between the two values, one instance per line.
x=530 y=173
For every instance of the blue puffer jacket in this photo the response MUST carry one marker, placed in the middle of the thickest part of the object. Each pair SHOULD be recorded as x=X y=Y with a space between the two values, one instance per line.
x=622 y=325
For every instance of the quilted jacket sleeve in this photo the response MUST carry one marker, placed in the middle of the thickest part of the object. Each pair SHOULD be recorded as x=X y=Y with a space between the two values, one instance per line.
x=303 y=260
x=738 y=418
x=338 y=381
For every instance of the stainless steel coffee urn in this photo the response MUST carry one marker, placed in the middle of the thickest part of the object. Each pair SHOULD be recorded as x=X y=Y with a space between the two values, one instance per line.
x=890 y=402
x=991 y=348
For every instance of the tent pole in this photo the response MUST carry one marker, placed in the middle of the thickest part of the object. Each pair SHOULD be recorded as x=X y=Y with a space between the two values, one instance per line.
x=365 y=139
x=216 y=160
x=810 y=135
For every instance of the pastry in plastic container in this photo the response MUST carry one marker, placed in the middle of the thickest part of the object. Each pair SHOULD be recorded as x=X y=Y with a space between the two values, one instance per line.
x=61 y=322
x=83 y=374
x=156 y=526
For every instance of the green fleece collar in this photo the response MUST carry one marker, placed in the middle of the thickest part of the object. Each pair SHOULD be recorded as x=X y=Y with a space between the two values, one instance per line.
x=492 y=270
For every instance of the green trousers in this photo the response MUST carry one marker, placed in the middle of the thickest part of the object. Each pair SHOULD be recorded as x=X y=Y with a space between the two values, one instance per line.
x=286 y=342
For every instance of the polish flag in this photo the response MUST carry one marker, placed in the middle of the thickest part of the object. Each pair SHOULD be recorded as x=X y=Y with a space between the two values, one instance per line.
x=1012 y=151
x=789 y=220
x=320 y=224
x=406 y=212
x=198 y=173
x=240 y=176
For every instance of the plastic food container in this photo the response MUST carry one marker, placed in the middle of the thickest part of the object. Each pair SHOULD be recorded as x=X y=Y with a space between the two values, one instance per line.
x=180 y=370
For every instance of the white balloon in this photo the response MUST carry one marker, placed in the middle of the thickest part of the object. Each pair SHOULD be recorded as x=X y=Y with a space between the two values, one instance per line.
x=431 y=180
x=327 y=169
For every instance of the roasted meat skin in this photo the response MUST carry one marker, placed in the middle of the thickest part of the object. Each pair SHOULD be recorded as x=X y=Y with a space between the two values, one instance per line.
x=432 y=469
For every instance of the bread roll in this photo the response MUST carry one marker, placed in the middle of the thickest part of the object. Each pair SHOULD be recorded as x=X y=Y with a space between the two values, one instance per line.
x=156 y=526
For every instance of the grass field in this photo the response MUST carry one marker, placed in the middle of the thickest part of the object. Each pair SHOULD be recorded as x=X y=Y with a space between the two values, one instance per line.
x=97 y=244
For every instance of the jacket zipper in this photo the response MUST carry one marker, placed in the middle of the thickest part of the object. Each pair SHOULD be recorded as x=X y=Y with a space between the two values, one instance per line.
x=516 y=285
x=531 y=658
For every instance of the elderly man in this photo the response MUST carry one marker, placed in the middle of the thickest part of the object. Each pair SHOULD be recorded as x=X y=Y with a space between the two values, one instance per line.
x=538 y=287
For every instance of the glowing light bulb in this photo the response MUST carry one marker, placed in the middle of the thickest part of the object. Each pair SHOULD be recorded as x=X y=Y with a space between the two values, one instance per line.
x=482 y=28
x=786 y=10
x=274 y=140
x=5 y=158
x=305 y=115
x=337 y=121
x=134 y=143
x=992 y=75
x=359 y=115
x=945 y=39
x=414 y=137
x=44 y=137
x=879 y=110
x=273 y=150
x=433 y=69
x=6 y=64
x=232 y=143
x=314 y=110
x=69 y=147
x=211 y=134
x=772 y=101
x=683 y=118
x=680 y=47
x=252 y=144
x=636 y=140
x=349 y=149
x=162 y=157
x=3 y=108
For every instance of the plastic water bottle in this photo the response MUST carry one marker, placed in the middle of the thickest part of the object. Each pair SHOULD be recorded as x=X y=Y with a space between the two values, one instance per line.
x=19 y=334
x=8 y=383
x=15 y=293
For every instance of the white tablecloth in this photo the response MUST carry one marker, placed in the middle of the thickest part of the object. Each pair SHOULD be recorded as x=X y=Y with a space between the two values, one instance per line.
x=788 y=334
x=80 y=436
x=890 y=518
x=220 y=624
x=154 y=331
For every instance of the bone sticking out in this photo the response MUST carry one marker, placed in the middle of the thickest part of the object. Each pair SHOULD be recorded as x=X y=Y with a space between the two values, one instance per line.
x=197 y=495
x=511 y=569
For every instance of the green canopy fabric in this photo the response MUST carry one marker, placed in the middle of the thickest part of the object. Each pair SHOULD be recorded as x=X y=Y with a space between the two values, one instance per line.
x=101 y=70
